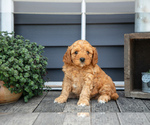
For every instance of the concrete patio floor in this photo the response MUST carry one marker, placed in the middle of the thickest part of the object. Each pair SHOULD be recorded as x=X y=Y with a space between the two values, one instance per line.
x=42 y=111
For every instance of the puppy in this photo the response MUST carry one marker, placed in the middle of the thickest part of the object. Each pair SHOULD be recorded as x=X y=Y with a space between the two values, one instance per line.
x=83 y=77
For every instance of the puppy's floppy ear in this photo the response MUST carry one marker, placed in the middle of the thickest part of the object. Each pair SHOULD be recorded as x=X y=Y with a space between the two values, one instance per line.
x=95 y=56
x=67 y=56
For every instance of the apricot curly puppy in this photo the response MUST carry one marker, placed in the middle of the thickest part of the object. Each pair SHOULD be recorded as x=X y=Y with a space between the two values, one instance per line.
x=84 y=77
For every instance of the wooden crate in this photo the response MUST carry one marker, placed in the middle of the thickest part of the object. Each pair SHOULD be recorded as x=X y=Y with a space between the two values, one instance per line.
x=136 y=60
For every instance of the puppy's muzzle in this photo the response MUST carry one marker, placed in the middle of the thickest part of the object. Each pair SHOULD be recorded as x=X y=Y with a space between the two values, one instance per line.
x=82 y=59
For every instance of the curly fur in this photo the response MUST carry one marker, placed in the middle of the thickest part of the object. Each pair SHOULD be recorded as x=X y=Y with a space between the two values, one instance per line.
x=85 y=79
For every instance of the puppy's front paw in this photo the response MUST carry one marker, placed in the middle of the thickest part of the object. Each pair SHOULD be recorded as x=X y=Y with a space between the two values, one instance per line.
x=101 y=101
x=83 y=103
x=60 y=100
x=103 y=98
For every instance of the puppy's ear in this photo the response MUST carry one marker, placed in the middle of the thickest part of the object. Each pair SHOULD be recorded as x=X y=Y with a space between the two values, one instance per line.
x=67 y=56
x=95 y=56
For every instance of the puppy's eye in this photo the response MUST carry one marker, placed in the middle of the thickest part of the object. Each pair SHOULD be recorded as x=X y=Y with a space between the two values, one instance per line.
x=76 y=52
x=88 y=52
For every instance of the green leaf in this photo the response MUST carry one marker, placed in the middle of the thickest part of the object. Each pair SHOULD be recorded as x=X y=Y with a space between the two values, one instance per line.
x=1 y=61
x=26 y=75
x=26 y=89
x=15 y=73
x=26 y=99
x=31 y=83
x=5 y=74
x=17 y=85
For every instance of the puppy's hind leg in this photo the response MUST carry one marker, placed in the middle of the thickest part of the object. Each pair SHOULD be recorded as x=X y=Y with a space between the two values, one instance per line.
x=105 y=93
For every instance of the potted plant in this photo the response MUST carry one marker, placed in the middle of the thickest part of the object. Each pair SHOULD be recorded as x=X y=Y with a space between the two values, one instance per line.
x=22 y=66
x=146 y=81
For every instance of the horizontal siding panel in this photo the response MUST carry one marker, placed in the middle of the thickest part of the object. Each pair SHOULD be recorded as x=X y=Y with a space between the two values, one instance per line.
x=109 y=57
x=108 y=34
x=65 y=35
x=46 y=7
x=68 y=7
x=46 y=19
x=57 y=74
x=50 y=35
x=72 y=19
x=54 y=75
x=110 y=18
x=111 y=7
x=73 y=1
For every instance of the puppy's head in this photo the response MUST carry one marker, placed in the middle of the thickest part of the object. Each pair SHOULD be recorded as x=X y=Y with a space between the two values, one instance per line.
x=81 y=53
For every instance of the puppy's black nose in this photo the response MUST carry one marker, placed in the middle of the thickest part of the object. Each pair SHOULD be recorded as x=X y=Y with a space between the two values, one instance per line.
x=82 y=59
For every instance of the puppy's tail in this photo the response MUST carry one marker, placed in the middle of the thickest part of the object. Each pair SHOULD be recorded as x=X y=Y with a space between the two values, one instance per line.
x=114 y=96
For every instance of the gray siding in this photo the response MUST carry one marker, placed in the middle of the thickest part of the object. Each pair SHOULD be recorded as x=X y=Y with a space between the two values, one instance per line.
x=110 y=7
x=108 y=34
x=50 y=35
x=46 y=7
x=108 y=56
x=47 y=19
x=56 y=32
x=110 y=18
x=50 y=27
x=60 y=7
x=73 y=19
x=64 y=35
x=117 y=74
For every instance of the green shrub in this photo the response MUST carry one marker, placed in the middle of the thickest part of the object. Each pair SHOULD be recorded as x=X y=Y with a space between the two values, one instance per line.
x=22 y=65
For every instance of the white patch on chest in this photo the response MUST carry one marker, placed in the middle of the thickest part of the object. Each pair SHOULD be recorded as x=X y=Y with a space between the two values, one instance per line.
x=74 y=86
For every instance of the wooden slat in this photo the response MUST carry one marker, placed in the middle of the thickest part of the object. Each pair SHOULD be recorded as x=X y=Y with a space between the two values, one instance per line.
x=148 y=116
x=133 y=119
x=130 y=105
x=107 y=107
x=139 y=94
x=50 y=119
x=18 y=118
x=72 y=107
x=147 y=103
x=48 y=105
x=4 y=108
x=29 y=107
x=104 y=119
x=5 y=118
x=77 y=119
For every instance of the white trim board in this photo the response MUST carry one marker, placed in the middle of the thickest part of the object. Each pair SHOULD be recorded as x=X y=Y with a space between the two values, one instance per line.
x=58 y=85
x=7 y=17
x=83 y=20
